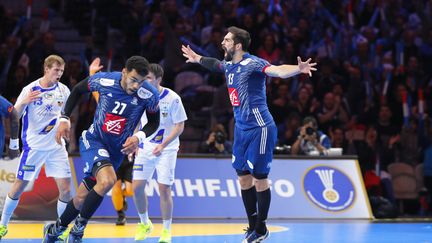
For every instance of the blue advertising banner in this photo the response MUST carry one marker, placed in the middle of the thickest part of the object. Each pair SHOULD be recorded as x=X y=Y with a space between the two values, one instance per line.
x=301 y=188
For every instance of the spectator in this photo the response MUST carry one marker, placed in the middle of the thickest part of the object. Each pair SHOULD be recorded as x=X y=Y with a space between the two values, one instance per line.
x=311 y=141
x=332 y=112
x=338 y=139
x=216 y=142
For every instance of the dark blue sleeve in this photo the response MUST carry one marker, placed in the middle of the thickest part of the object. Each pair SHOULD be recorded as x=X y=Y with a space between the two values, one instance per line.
x=151 y=94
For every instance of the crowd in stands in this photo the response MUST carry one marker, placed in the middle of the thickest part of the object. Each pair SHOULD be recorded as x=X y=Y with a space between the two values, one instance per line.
x=372 y=93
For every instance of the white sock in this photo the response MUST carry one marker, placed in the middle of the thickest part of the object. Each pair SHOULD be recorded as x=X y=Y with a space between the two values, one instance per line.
x=144 y=217
x=61 y=206
x=8 y=209
x=167 y=224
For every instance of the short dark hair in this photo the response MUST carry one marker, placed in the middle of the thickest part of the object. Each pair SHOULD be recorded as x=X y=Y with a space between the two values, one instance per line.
x=310 y=119
x=240 y=36
x=139 y=63
x=156 y=69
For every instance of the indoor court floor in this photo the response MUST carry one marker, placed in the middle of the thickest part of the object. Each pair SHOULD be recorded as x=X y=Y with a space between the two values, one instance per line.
x=231 y=231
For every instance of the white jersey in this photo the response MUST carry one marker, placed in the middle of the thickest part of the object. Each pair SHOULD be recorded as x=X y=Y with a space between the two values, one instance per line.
x=40 y=118
x=171 y=112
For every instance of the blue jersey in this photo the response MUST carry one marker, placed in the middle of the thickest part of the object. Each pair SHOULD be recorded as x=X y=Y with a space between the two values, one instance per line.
x=118 y=113
x=246 y=83
x=5 y=109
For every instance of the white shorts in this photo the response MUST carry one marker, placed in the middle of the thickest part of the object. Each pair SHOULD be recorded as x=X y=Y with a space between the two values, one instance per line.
x=56 y=164
x=146 y=163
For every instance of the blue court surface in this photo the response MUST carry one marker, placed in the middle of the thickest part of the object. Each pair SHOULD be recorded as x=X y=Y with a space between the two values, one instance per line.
x=283 y=231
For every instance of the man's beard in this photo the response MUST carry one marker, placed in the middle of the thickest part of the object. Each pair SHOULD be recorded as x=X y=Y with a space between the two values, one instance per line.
x=228 y=55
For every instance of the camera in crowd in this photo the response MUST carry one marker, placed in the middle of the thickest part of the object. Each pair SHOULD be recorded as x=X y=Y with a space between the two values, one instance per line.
x=220 y=137
x=310 y=131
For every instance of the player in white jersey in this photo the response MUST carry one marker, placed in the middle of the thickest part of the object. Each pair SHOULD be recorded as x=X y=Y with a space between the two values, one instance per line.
x=40 y=104
x=255 y=130
x=159 y=152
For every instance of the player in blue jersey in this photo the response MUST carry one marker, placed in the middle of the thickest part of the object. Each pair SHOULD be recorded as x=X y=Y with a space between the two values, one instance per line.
x=255 y=131
x=7 y=111
x=123 y=98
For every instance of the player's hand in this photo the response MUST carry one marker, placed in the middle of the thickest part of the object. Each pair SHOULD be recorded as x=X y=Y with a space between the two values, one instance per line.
x=13 y=153
x=63 y=131
x=131 y=145
x=95 y=66
x=31 y=97
x=158 y=150
x=306 y=67
x=191 y=56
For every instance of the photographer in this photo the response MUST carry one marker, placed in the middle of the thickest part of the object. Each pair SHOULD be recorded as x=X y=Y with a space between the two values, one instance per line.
x=311 y=141
x=216 y=142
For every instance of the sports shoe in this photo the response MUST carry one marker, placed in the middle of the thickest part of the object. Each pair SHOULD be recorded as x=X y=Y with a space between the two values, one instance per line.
x=74 y=237
x=143 y=231
x=64 y=236
x=255 y=237
x=121 y=219
x=3 y=231
x=77 y=231
x=49 y=236
x=165 y=236
x=248 y=232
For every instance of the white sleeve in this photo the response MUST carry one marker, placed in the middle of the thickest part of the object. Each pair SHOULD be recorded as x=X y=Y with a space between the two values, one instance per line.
x=178 y=113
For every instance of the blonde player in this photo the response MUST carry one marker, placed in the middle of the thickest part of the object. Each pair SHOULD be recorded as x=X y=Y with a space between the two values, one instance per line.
x=159 y=152
x=40 y=104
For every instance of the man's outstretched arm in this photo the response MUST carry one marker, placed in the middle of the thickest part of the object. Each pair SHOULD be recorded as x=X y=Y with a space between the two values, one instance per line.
x=210 y=63
x=286 y=71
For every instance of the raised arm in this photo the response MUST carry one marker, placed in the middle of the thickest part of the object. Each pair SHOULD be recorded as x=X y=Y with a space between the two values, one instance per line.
x=210 y=63
x=286 y=71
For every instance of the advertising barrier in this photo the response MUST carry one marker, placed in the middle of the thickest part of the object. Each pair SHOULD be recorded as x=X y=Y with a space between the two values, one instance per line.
x=301 y=188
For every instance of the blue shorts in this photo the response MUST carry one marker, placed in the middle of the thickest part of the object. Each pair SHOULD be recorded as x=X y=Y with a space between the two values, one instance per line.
x=253 y=149
x=93 y=151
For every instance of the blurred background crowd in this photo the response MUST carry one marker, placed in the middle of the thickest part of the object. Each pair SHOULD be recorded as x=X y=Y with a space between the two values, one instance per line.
x=371 y=94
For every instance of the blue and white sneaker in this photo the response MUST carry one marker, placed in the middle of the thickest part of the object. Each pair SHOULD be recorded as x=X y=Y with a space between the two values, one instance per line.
x=255 y=237
x=48 y=236
x=76 y=234
x=248 y=232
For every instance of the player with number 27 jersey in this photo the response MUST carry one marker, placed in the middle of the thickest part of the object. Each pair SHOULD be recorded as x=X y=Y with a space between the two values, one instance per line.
x=117 y=115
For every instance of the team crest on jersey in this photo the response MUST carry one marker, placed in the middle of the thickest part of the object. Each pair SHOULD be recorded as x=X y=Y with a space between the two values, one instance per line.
x=144 y=94
x=114 y=124
x=48 y=96
x=164 y=109
x=233 y=94
x=134 y=101
x=106 y=82
x=238 y=69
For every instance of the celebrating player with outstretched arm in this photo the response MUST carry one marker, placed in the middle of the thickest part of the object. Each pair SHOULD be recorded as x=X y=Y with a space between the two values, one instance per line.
x=123 y=98
x=255 y=131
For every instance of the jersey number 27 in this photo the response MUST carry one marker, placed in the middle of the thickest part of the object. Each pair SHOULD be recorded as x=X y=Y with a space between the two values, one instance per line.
x=119 y=105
